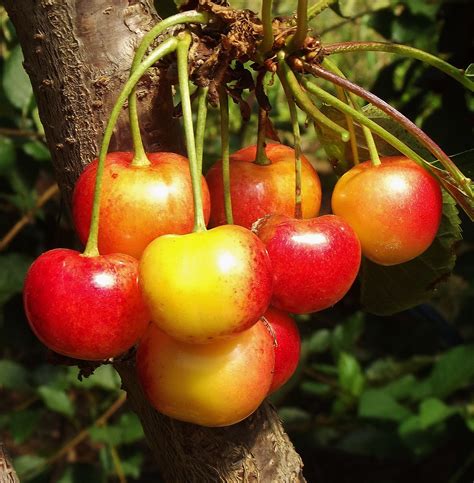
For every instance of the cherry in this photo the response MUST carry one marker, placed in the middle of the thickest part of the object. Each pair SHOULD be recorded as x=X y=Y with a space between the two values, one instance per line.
x=395 y=208
x=215 y=384
x=85 y=307
x=138 y=203
x=208 y=284
x=258 y=190
x=314 y=261
x=287 y=347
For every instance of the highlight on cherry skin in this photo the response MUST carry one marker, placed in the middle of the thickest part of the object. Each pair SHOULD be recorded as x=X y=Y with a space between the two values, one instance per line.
x=216 y=384
x=138 y=203
x=314 y=261
x=83 y=307
x=395 y=208
x=258 y=190
x=206 y=285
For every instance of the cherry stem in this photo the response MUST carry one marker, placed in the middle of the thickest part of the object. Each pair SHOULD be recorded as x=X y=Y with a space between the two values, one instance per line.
x=224 y=113
x=267 y=42
x=374 y=155
x=318 y=7
x=305 y=104
x=264 y=107
x=201 y=124
x=447 y=68
x=140 y=158
x=184 y=43
x=423 y=138
x=299 y=37
x=296 y=134
x=165 y=48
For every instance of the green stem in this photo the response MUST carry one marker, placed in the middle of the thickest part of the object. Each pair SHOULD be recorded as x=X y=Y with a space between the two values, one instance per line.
x=140 y=158
x=374 y=155
x=423 y=138
x=165 y=48
x=261 y=157
x=184 y=43
x=201 y=124
x=267 y=42
x=451 y=70
x=224 y=112
x=304 y=103
x=296 y=134
x=318 y=7
x=301 y=33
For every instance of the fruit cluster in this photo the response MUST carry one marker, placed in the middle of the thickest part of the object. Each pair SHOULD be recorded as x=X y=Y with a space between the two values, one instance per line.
x=220 y=338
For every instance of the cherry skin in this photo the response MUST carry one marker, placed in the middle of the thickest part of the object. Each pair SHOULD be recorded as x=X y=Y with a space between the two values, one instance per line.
x=260 y=190
x=215 y=384
x=314 y=261
x=87 y=308
x=138 y=203
x=206 y=285
x=395 y=208
x=287 y=348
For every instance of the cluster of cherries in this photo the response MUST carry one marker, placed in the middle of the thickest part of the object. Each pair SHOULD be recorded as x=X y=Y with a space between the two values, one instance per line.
x=221 y=338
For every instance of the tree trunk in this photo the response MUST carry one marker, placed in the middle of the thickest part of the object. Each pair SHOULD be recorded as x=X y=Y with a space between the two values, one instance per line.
x=7 y=472
x=77 y=54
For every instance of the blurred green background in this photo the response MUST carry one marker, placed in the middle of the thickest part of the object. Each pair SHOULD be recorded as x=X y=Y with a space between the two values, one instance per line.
x=375 y=399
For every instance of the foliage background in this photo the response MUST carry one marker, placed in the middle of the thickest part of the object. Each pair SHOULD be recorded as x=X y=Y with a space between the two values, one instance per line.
x=375 y=399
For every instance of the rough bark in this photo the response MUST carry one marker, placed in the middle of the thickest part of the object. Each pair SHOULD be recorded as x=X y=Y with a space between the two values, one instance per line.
x=7 y=472
x=77 y=54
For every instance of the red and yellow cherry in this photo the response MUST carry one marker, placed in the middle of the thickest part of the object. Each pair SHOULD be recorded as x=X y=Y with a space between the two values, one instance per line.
x=85 y=307
x=216 y=384
x=287 y=347
x=138 y=203
x=206 y=285
x=395 y=208
x=258 y=190
x=314 y=261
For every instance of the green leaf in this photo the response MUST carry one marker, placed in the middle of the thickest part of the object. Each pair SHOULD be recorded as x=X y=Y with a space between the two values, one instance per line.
x=387 y=290
x=104 y=377
x=28 y=464
x=379 y=404
x=37 y=150
x=422 y=7
x=13 y=268
x=127 y=430
x=23 y=423
x=351 y=377
x=13 y=375
x=16 y=84
x=56 y=400
x=319 y=341
x=433 y=411
x=317 y=389
x=345 y=336
x=7 y=155
x=132 y=466
x=469 y=72
x=455 y=369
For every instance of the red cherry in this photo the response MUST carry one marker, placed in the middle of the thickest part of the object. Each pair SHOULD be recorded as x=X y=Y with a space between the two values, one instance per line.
x=287 y=348
x=138 y=203
x=85 y=307
x=314 y=261
x=261 y=190
x=395 y=208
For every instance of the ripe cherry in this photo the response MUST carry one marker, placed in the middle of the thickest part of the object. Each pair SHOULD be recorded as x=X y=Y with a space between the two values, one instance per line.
x=138 y=203
x=287 y=345
x=215 y=384
x=208 y=284
x=395 y=208
x=85 y=307
x=314 y=261
x=258 y=190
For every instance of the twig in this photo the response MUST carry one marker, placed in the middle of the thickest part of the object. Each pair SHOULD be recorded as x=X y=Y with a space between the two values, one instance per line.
x=25 y=219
